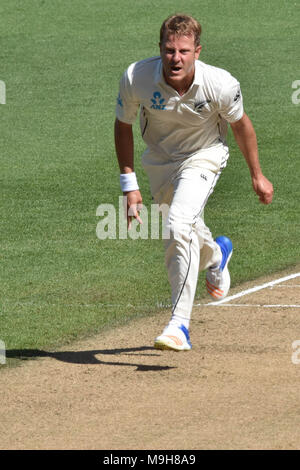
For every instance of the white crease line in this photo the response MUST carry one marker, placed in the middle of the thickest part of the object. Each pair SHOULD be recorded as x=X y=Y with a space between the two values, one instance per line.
x=252 y=305
x=294 y=286
x=253 y=289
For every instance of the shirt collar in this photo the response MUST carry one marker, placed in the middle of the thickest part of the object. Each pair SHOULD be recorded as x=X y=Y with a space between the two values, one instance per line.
x=158 y=78
x=198 y=74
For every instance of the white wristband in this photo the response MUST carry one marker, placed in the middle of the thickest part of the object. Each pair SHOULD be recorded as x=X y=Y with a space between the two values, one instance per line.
x=128 y=182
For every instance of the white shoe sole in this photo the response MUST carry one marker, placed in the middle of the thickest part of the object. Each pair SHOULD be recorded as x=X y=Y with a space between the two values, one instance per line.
x=171 y=343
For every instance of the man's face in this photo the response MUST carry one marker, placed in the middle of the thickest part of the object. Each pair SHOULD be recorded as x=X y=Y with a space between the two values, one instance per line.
x=178 y=54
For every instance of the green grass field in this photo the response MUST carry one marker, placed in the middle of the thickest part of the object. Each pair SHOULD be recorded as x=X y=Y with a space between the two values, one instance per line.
x=61 y=62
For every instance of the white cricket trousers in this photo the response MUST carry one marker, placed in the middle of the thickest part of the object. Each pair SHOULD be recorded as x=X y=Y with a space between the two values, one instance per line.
x=189 y=245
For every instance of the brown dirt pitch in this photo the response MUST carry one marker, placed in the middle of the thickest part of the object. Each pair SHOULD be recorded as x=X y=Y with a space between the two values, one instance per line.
x=238 y=388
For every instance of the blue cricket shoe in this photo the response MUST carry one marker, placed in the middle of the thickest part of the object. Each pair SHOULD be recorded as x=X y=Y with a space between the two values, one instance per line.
x=218 y=278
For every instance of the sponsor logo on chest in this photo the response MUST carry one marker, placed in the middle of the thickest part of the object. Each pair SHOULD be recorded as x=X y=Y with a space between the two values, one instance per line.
x=158 y=102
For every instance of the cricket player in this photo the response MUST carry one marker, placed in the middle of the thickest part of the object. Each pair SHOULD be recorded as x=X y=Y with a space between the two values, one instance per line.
x=185 y=106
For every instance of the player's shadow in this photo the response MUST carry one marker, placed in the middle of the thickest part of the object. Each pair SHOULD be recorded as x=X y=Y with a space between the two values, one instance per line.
x=89 y=357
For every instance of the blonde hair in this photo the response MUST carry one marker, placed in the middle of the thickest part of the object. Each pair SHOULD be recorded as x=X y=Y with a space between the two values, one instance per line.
x=181 y=25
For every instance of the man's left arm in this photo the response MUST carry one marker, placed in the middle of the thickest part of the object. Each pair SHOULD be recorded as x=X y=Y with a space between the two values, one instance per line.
x=245 y=136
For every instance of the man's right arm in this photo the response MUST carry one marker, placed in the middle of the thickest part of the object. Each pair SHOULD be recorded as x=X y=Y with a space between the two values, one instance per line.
x=124 y=145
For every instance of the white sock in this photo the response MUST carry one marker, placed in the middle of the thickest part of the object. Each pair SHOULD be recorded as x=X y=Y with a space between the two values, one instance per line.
x=177 y=320
x=217 y=264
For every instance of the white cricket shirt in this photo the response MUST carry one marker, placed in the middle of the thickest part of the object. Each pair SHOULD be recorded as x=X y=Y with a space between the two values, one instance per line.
x=176 y=128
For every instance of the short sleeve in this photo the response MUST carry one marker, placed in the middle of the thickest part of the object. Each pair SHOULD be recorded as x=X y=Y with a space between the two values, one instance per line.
x=231 y=100
x=127 y=105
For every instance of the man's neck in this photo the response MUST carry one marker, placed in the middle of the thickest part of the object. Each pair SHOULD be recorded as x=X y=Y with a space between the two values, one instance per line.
x=181 y=87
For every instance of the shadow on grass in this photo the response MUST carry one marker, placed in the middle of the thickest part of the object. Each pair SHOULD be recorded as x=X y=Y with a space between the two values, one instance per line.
x=89 y=357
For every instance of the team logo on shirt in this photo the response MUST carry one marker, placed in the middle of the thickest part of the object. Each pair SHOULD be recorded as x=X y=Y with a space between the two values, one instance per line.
x=119 y=101
x=237 y=96
x=158 y=102
x=199 y=105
